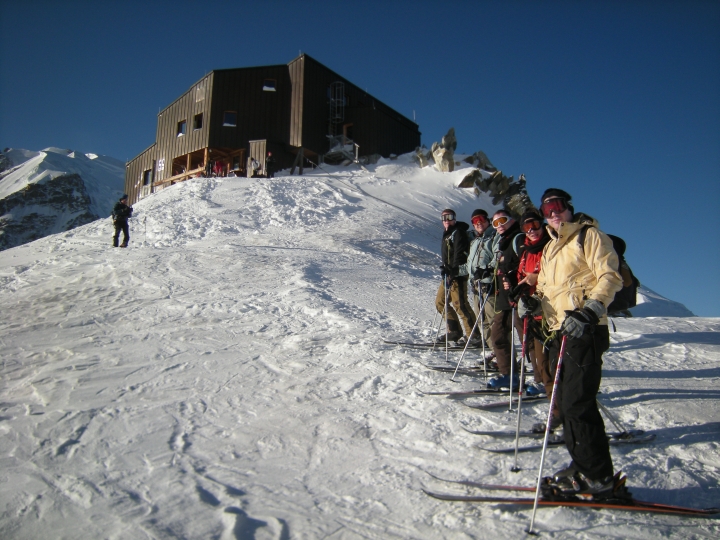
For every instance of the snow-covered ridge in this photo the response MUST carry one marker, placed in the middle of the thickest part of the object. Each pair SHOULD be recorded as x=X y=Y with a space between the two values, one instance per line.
x=225 y=376
x=55 y=190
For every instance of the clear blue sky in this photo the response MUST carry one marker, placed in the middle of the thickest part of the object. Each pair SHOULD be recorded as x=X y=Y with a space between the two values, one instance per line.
x=617 y=102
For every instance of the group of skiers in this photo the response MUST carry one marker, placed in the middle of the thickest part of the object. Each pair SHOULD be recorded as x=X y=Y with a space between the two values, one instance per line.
x=551 y=275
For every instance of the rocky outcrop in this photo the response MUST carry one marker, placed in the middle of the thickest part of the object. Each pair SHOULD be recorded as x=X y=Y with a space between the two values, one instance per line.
x=444 y=152
x=481 y=161
x=512 y=194
x=51 y=206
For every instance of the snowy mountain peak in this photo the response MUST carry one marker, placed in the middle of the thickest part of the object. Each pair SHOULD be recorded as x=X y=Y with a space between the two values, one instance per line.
x=54 y=190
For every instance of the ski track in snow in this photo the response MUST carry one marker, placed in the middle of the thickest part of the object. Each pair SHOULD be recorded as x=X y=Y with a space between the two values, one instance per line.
x=225 y=377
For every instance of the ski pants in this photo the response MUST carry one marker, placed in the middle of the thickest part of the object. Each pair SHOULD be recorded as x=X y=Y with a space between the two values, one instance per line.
x=488 y=314
x=459 y=310
x=584 y=428
x=121 y=225
x=502 y=340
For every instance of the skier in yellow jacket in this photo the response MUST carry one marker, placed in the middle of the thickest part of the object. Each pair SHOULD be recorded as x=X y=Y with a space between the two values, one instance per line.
x=578 y=279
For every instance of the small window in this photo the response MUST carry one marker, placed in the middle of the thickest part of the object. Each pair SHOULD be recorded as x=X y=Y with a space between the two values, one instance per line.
x=147 y=177
x=197 y=122
x=269 y=85
x=230 y=118
x=181 y=128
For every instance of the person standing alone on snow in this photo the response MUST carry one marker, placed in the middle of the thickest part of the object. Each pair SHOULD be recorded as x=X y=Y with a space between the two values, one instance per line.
x=578 y=279
x=454 y=251
x=121 y=213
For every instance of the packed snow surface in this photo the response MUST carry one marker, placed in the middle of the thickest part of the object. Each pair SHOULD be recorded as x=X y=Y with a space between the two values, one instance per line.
x=226 y=377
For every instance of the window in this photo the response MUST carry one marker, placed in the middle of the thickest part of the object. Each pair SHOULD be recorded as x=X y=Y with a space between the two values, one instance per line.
x=147 y=177
x=230 y=118
x=269 y=85
x=181 y=128
x=197 y=122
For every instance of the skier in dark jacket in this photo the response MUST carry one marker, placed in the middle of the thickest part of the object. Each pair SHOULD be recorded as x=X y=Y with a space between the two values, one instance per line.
x=510 y=240
x=121 y=213
x=454 y=249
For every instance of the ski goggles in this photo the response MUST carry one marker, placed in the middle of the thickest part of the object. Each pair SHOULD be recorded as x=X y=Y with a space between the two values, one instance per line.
x=448 y=217
x=501 y=220
x=531 y=225
x=479 y=219
x=553 y=205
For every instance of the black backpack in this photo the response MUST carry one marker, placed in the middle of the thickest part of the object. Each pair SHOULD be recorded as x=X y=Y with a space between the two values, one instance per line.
x=626 y=297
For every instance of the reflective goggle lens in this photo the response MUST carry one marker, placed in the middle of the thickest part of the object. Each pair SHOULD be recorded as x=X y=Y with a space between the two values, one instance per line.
x=448 y=217
x=479 y=219
x=553 y=205
x=502 y=220
x=533 y=225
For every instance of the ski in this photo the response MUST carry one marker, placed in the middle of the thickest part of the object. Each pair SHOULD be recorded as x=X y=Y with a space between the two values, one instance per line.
x=539 y=434
x=428 y=345
x=471 y=393
x=504 y=403
x=616 y=504
x=469 y=370
x=558 y=440
x=481 y=485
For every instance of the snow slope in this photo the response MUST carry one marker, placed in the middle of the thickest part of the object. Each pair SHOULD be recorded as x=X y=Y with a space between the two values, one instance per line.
x=225 y=377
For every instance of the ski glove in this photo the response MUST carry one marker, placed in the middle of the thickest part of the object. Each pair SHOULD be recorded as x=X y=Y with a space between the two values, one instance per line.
x=578 y=321
x=529 y=306
x=482 y=274
x=445 y=270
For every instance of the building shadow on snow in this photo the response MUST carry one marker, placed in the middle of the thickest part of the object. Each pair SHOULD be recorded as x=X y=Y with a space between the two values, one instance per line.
x=670 y=374
x=646 y=341
x=640 y=395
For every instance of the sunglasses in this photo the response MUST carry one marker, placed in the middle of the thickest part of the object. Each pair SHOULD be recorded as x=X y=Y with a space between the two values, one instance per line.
x=479 y=219
x=448 y=217
x=553 y=205
x=531 y=225
x=502 y=220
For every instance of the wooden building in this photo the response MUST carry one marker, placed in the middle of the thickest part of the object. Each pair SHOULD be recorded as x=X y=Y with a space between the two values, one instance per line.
x=299 y=111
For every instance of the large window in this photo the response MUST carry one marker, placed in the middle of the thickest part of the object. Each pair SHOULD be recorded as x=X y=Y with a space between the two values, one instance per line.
x=181 y=128
x=230 y=118
x=197 y=121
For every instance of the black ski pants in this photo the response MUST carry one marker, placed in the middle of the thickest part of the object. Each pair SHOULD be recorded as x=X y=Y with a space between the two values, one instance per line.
x=580 y=377
x=121 y=225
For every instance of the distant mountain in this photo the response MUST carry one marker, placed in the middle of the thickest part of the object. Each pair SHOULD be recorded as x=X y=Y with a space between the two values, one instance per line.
x=54 y=190
x=651 y=304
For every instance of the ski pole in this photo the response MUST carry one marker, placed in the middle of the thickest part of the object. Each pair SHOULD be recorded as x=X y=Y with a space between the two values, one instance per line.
x=447 y=331
x=443 y=314
x=556 y=383
x=512 y=355
x=525 y=352
x=618 y=425
x=482 y=324
x=467 y=344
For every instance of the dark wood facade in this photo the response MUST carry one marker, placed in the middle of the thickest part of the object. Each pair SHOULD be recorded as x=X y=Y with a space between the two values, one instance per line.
x=287 y=109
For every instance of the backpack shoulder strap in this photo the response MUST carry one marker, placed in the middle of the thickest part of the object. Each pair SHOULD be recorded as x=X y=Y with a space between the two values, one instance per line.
x=516 y=249
x=581 y=237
